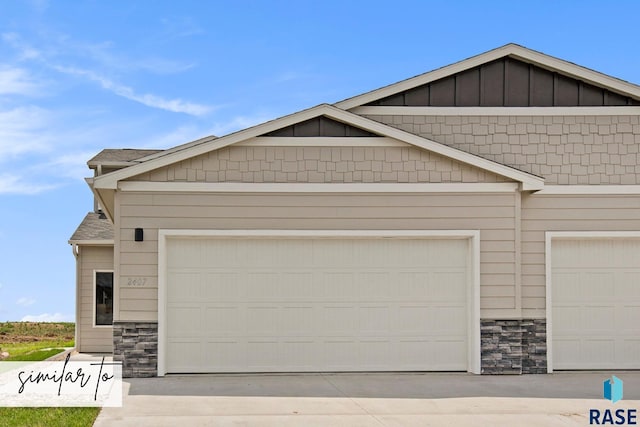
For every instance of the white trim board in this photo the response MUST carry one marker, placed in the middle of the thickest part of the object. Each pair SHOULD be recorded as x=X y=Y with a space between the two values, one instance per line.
x=496 y=111
x=549 y=237
x=529 y=181
x=602 y=189
x=241 y=187
x=92 y=242
x=512 y=50
x=473 y=290
x=315 y=141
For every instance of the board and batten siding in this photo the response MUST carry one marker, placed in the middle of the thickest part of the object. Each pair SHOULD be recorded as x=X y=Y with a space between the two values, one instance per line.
x=541 y=213
x=492 y=214
x=91 y=338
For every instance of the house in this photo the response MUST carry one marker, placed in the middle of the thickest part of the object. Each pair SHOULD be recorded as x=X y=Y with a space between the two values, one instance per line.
x=483 y=217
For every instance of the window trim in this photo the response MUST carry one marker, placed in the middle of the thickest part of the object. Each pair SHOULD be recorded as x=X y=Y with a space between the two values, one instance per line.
x=93 y=303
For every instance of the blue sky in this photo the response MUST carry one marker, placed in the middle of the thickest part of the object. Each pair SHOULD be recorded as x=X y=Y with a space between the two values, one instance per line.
x=79 y=76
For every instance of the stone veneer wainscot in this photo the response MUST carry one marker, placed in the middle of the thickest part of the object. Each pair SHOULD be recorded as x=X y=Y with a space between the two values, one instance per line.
x=514 y=346
x=135 y=344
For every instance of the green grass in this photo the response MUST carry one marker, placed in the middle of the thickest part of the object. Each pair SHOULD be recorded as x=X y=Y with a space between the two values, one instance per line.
x=48 y=417
x=33 y=342
x=37 y=355
x=17 y=351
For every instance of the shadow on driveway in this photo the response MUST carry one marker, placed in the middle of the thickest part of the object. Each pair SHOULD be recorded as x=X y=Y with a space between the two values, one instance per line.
x=566 y=385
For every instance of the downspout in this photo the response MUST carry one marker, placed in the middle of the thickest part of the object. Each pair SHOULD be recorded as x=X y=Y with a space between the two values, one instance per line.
x=76 y=254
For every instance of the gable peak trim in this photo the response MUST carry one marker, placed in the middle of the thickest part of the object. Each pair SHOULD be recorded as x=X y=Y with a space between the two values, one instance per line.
x=509 y=50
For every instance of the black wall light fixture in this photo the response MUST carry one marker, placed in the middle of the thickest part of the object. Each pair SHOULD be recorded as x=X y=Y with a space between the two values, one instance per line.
x=139 y=235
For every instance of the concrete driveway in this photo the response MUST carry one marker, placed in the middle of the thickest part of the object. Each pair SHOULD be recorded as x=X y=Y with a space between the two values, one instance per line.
x=394 y=399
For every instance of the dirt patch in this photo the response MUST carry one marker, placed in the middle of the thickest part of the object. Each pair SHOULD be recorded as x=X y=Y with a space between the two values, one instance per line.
x=26 y=332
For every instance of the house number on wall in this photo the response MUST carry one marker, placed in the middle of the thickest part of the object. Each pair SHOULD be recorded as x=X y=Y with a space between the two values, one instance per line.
x=136 y=281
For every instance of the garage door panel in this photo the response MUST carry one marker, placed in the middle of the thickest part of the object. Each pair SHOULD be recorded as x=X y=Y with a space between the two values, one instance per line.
x=411 y=319
x=317 y=305
x=221 y=286
x=184 y=254
x=223 y=320
x=570 y=317
x=338 y=320
x=374 y=354
x=597 y=284
x=631 y=350
x=598 y=352
x=299 y=354
x=185 y=319
x=629 y=284
x=262 y=355
x=262 y=320
x=415 y=353
x=448 y=286
x=373 y=320
x=448 y=321
x=189 y=289
x=629 y=318
x=261 y=286
x=598 y=318
x=224 y=356
x=447 y=256
x=450 y=353
x=374 y=286
x=298 y=320
x=189 y=359
x=595 y=303
x=339 y=286
x=298 y=286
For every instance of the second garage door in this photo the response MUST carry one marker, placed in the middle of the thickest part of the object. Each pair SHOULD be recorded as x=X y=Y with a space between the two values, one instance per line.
x=596 y=303
x=319 y=304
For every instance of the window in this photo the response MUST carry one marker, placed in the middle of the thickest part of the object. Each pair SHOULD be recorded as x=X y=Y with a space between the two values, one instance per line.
x=104 y=298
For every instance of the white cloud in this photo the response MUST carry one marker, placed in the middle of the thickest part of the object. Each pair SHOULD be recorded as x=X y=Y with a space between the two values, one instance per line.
x=25 y=302
x=46 y=317
x=17 y=81
x=150 y=100
x=13 y=184
x=72 y=165
x=26 y=51
x=22 y=130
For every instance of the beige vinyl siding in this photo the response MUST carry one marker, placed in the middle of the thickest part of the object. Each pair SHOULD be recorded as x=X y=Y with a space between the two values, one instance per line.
x=562 y=149
x=92 y=339
x=492 y=214
x=543 y=213
x=320 y=164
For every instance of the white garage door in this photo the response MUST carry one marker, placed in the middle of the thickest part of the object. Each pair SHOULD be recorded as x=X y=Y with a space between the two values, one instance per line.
x=596 y=304
x=278 y=305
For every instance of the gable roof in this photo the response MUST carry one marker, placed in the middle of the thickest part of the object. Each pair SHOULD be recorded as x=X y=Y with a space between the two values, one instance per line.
x=511 y=50
x=110 y=181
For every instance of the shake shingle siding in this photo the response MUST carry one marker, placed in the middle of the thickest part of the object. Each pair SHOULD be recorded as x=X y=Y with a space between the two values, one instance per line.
x=563 y=149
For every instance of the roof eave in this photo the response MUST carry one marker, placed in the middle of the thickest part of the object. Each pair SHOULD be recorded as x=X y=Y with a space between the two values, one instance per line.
x=94 y=242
